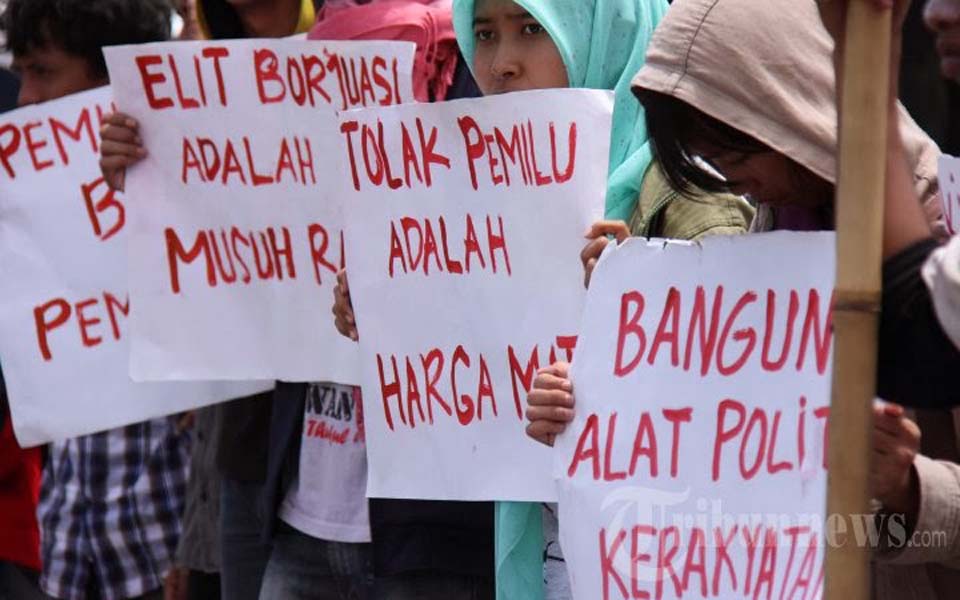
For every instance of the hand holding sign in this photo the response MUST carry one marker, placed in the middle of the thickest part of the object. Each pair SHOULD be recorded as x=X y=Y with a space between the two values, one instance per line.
x=599 y=237
x=896 y=443
x=120 y=148
x=343 y=316
x=550 y=403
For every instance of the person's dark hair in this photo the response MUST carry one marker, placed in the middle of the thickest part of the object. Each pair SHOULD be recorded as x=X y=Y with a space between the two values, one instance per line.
x=83 y=27
x=675 y=126
x=223 y=22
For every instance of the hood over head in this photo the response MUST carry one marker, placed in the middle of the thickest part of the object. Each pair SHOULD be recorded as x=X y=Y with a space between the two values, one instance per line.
x=766 y=69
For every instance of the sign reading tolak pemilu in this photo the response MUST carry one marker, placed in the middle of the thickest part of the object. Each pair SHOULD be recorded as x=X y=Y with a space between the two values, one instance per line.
x=465 y=224
x=236 y=239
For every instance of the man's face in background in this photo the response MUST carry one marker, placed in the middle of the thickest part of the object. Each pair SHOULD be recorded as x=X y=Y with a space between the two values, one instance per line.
x=48 y=72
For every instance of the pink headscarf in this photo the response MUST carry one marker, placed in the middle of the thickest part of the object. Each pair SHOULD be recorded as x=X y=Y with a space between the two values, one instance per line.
x=427 y=23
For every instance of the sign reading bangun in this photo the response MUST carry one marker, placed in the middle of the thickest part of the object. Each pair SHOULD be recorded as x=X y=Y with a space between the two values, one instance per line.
x=465 y=224
x=695 y=466
x=64 y=338
x=236 y=237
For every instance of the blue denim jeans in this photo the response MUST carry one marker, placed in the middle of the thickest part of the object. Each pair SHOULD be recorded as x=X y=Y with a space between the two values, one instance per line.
x=244 y=555
x=302 y=567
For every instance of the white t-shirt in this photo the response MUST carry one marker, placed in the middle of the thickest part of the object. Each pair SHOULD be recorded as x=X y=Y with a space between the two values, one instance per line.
x=328 y=499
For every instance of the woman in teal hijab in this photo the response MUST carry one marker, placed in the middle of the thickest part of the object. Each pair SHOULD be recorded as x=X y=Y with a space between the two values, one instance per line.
x=601 y=44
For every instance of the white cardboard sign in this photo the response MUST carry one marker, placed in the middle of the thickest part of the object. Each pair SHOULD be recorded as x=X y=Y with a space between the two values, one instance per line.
x=466 y=221
x=695 y=465
x=64 y=306
x=950 y=191
x=237 y=238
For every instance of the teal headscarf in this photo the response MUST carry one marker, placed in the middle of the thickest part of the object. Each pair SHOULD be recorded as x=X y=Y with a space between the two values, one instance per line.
x=603 y=44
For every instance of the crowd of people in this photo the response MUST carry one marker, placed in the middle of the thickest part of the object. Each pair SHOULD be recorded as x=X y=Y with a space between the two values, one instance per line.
x=725 y=123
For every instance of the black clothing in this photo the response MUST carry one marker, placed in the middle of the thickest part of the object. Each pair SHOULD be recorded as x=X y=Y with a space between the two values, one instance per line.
x=9 y=90
x=408 y=535
x=244 y=432
x=917 y=361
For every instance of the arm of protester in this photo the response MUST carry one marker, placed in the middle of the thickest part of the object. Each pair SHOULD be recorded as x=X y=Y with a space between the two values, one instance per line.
x=915 y=359
x=936 y=526
x=896 y=444
x=598 y=237
x=933 y=212
x=923 y=490
x=550 y=403
x=904 y=221
x=343 y=316
x=120 y=147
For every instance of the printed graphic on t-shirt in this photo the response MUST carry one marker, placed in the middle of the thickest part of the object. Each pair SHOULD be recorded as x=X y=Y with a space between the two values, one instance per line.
x=328 y=498
x=335 y=414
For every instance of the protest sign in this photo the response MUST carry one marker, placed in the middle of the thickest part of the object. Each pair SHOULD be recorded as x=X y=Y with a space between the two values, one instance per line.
x=236 y=237
x=64 y=307
x=466 y=222
x=695 y=464
x=950 y=191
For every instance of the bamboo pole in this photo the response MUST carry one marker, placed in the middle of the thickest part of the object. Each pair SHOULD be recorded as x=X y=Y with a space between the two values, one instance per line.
x=860 y=195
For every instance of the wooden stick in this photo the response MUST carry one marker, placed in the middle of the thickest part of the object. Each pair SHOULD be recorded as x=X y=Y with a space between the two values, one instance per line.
x=860 y=195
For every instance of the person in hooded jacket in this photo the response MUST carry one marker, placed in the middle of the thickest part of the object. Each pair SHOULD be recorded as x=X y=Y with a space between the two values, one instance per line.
x=771 y=134
x=915 y=357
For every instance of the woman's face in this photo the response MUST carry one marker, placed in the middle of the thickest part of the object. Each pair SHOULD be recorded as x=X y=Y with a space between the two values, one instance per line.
x=943 y=17
x=769 y=178
x=513 y=52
